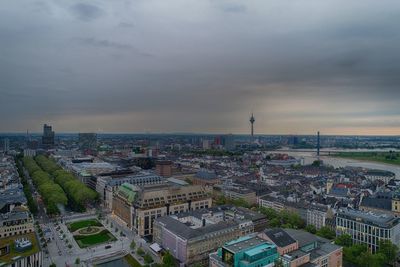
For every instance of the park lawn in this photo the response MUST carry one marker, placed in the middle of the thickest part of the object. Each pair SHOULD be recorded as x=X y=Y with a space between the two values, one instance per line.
x=132 y=261
x=91 y=240
x=83 y=224
x=380 y=157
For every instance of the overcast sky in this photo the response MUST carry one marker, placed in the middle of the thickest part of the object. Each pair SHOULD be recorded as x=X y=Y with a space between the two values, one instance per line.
x=200 y=66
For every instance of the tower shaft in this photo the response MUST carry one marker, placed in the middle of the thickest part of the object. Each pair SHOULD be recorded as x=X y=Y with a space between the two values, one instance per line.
x=252 y=120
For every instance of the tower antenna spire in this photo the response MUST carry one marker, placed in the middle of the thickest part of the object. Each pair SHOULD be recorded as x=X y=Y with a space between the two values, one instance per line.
x=252 y=120
x=318 y=144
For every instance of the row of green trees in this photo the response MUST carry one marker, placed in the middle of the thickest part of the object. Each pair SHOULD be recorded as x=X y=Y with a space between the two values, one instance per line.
x=360 y=255
x=283 y=219
x=324 y=232
x=222 y=200
x=52 y=194
x=32 y=205
x=78 y=194
x=47 y=164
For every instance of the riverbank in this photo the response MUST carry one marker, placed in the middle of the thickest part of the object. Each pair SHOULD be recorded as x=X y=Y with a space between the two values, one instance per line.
x=388 y=158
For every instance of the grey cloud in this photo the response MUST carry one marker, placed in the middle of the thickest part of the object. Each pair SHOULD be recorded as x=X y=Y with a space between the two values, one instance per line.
x=126 y=25
x=86 y=12
x=104 y=43
x=234 y=8
x=199 y=69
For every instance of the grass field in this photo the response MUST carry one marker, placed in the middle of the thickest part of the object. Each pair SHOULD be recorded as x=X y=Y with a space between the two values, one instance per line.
x=381 y=157
x=83 y=224
x=91 y=240
x=85 y=241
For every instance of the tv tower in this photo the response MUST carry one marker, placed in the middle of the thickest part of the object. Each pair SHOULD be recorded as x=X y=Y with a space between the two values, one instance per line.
x=252 y=120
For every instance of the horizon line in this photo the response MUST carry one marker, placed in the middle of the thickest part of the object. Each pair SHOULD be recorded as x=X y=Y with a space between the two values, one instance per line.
x=200 y=133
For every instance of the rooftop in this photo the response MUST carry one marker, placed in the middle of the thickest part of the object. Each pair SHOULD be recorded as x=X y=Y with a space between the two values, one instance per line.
x=205 y=174
x=377 y=203
x=127 y=191
x=177 y=181
x=244 y=213
x=251 y=244
x=378 y=219
x=279 y=237
x=186 y=232
x=241 y=190
x=133 y=179
x=14 y=215
x=8 y=258
x=11 y=196
x=303 y=237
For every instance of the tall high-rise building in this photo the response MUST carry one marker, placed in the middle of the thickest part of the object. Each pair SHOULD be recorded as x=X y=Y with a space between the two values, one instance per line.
x=228 y=142
x=164 y=168
x=6 y=147
x=48 y=136
x=252 y=120
x=87 y=141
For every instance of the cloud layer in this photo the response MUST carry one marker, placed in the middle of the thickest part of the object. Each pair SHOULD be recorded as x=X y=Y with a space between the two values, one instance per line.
x=201 y=66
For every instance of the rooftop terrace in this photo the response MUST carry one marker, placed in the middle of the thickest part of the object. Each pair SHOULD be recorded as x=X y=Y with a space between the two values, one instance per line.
x=8 y=258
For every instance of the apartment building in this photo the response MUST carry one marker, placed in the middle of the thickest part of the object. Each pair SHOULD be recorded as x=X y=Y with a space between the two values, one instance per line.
x=240 y=193
x=15 y=223
x=381 y=175
x=318 y=215
x=191 y=236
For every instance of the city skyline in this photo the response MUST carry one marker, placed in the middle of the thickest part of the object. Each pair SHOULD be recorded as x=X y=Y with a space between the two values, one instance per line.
x=200 y=67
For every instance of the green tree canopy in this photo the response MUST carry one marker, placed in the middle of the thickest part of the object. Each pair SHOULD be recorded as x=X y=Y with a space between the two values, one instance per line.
x=367 y=259
x=147 y=258
x=168 y=260
x=344 y=240
x=311 y=229
x=389 y=250
x=133 y=244
x=352 y=254
x=326 y=232
x=52 y=194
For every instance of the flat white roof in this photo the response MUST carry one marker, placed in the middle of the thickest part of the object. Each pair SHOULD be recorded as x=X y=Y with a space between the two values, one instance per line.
x=156 y=247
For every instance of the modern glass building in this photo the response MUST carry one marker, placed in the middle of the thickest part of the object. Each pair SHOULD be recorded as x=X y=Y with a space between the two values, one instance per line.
x=247 y=251
x=367 y=227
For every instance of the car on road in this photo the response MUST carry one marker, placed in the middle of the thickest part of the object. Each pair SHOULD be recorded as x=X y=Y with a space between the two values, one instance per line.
x=107 y=247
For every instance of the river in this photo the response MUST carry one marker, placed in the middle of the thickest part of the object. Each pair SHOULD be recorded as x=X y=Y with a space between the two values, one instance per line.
x=310 y=156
